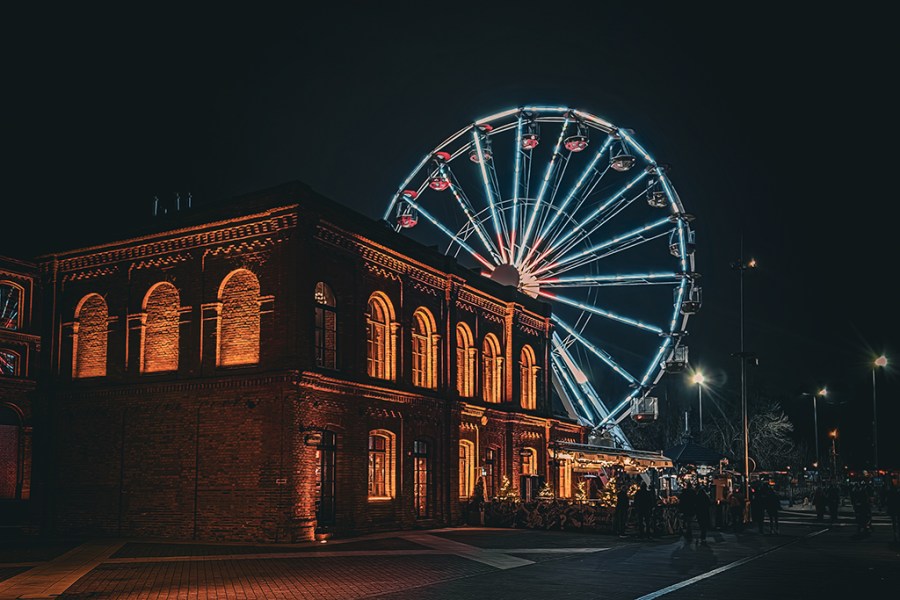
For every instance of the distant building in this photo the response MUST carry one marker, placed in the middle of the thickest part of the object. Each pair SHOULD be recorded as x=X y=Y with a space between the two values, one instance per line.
x=265 y=369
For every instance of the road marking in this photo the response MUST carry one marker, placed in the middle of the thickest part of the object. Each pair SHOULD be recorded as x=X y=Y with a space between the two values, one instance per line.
x=708 y=574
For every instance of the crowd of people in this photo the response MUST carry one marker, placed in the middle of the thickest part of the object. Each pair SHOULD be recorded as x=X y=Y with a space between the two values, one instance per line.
x=696 y=507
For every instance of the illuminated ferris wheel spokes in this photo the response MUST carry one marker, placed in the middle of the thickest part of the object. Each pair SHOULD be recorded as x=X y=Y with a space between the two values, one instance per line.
x=569 y=220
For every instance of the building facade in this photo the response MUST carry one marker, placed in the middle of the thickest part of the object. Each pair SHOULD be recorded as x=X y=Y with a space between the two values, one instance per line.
x=271 y=368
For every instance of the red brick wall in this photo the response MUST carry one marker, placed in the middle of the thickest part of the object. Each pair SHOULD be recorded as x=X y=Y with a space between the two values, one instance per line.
x=239 y=320
x=90 y=337
x=161 y=332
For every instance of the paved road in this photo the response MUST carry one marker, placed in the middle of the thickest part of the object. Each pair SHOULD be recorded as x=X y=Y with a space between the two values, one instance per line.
x=805 y=560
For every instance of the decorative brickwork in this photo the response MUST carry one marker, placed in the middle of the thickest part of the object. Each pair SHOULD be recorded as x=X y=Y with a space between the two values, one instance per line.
x=89 y=337
x=160 y=343
x=239 y=320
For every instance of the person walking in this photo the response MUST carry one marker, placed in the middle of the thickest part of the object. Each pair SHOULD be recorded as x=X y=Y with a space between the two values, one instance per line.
x=644 y=502
x=773 y=505
x=819 y=503
x=621 y=515
x=702 y=503
x=687 y=506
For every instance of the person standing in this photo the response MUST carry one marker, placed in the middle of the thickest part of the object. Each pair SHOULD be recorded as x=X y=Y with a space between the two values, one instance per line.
x=644 y=502
x=702 y=503
x=687 y=506
x=819 y=503
x=736 y=510
x=757 y=505
x=620 y=517
x=773 y=506
x=834 y=502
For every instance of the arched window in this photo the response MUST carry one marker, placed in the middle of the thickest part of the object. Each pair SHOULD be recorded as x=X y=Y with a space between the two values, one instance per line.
x=382 y=464
x=424 y=350
x=380 y=337
x=10 y=305
x=238 y=342
x=422 y=479
x=529 y=461
x=160 y=344
x=10 y=453
x=89 y=337
x=326 y=327
x=492 y=369
x=465 y=361
x=9 y=363
x=528 y=378
x=466 y=468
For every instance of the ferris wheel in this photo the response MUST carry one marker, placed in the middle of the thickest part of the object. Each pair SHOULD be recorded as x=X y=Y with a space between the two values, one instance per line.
x=570 y=209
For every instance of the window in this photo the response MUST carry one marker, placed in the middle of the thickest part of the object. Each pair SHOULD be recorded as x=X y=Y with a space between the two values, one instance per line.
x=9 y=363
x=89 y=337
x=424 y=350
x=465 y=361
x=325 y=505
x=10 y=302
x=492 y=369
x=528 y=378
x=238 y=342
x=326 y=327
x=380 y=339
x=466 y=468
x=421 y=479
x=489 y=469
x=381 y=465
x=159 y=347
x=564 y=485
x=529 y=461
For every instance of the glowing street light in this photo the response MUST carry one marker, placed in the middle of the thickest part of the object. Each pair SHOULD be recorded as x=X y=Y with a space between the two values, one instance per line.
x=881 y=361
x=833 y=434
x=823 y=392
x=699 y=379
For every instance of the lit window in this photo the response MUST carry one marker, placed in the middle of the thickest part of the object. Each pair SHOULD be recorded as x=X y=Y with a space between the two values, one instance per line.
x=379 y=338
x=10 y=302
x=564 y=486
x=422 y=479
x=466 y=468
x=528 y=378
x=238 y=341
x=424 y=350
x=9 y=363
x=326 y=327
x=529 y=461
x=160 y=330
x=381 y=465
x=492 y=369
x=465 y=361
x=89 y=337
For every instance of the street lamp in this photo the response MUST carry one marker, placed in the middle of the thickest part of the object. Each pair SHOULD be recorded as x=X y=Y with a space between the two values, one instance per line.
x=699 y=379
x=833 y=435
x=823 y=392
x=742 y=266
x=881 y=361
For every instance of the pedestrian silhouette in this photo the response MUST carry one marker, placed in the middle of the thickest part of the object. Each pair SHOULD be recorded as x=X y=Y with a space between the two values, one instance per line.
x=702 y=503
x=819 y=502
x=687 y=506
x=757 y=505
x=773 y=505
x=644 y=502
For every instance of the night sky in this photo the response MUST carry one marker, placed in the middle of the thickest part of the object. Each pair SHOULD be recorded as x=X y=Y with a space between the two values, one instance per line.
x=778 y=124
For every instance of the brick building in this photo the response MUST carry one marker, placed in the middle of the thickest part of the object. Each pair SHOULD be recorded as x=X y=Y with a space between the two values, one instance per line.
x=270 y=367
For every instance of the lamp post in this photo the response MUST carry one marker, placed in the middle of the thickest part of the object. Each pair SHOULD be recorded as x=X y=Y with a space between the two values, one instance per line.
x=881 y=361
x=823 y=392
x=742 y=266
x=833 y=435
x=699 y=379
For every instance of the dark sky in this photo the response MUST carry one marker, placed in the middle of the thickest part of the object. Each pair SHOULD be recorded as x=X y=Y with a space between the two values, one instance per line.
x=778 y=122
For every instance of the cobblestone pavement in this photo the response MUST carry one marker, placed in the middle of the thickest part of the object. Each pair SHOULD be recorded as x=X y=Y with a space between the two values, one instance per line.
x=807 y=559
